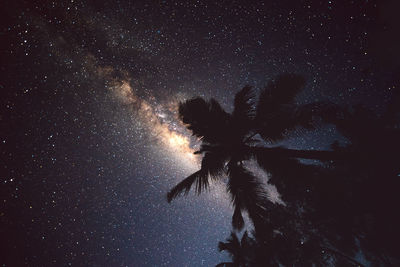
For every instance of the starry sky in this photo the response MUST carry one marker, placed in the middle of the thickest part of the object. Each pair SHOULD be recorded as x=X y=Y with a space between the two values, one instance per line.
x=90 y=140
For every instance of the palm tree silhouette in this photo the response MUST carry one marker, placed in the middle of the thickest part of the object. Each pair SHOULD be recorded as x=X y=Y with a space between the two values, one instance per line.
x=329 y=214
x=227 y=140
x=222 y=148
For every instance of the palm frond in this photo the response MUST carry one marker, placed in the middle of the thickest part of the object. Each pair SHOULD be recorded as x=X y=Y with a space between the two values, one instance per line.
x=243 y=113
x=205 y=147
x=207 y=120
x=216 y=110
x=202 y=182
x=246 y=240
x=246 y=191
x=276 y=108
x=214 y=164
x=244 y=187
x=244 y=104
x=237 y=219
x=199 y=178
x=222 y=246
x=232 y=246
x=276 y=125
x=283 y=89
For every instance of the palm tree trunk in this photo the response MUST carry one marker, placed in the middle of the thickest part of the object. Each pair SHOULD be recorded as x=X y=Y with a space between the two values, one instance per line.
x=303 y=154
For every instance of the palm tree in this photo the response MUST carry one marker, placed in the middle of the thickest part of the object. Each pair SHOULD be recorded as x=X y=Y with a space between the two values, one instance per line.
x=227 y=140
x=328 y=208
x=222 y=149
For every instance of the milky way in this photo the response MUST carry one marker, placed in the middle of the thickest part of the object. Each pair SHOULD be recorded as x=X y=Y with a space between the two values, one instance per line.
x=159 y=125
x=90 y=137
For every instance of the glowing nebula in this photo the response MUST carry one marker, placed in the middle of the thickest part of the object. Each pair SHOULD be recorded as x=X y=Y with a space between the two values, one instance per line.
x=164 y=132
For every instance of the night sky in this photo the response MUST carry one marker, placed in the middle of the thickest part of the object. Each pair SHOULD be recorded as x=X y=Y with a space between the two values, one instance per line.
x=90 y=140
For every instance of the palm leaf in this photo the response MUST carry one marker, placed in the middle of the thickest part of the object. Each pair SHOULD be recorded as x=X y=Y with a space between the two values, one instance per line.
x=213 y=164
x=243 y=113
x=276 y=108
x=283 y=89
x=246 y=240
x=232 y=246
x=237 y=219
x=247 y=193
x=244 y=104
x=207 y=120
x=199 y=178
